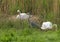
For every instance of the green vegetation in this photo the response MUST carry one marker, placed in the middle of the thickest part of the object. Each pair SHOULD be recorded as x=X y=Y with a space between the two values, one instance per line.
x=28 y=35
x=14 y=31
x=20 y=31
x=45 y=9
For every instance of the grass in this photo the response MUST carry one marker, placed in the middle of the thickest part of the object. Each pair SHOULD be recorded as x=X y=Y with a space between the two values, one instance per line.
x=17 y=31
x=12 y=32
x=28 y=35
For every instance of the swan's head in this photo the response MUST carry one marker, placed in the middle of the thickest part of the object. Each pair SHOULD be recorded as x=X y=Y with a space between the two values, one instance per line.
x=18 y=11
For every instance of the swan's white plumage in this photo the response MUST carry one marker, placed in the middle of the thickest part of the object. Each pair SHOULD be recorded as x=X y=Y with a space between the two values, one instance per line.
x=46 y=25
x=22 y=15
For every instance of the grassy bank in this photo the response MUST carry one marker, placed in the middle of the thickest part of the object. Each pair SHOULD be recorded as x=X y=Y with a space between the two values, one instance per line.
x=14 y=31
x=28 y=35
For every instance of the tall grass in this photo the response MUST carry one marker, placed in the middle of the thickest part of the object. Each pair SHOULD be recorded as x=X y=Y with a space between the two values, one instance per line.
x=42 y=8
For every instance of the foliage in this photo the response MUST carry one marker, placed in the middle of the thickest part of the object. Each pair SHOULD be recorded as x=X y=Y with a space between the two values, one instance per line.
x=20 y=31
x=13 y=31
x=28 y=35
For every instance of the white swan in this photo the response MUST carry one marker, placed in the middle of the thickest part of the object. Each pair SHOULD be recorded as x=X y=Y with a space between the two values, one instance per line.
x=22 y=15
x=48 y=25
